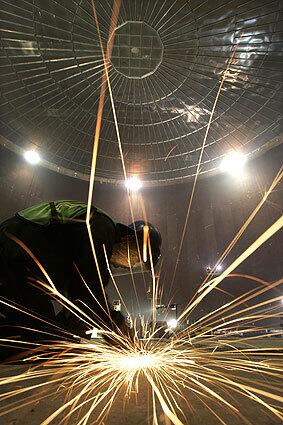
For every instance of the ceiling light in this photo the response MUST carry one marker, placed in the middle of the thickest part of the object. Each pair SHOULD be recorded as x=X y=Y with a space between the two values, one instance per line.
x=233 y=163
x=32 y=157
x=133 y=184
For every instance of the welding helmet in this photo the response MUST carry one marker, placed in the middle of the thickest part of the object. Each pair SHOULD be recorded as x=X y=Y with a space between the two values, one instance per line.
x=148 y=233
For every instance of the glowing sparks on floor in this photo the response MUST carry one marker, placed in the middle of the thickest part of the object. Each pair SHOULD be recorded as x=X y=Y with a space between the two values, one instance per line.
x=93 y=374
x=138 y=361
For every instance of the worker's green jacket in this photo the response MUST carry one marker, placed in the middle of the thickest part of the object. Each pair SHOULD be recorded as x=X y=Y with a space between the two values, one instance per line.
x=55 y=234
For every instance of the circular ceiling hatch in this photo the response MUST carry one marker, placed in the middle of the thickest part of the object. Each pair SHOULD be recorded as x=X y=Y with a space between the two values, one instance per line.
x=167 y=62
x=137 y=50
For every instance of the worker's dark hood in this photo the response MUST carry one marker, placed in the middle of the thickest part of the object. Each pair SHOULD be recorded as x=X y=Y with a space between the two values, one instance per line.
x=137 y=228
x=122 y=231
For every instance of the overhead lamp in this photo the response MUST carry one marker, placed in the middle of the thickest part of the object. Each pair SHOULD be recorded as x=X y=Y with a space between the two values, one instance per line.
x=233 y=163
x=32 y=157
x=133 y=184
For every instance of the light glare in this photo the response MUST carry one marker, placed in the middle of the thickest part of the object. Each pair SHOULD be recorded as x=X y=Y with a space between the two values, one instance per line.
x=233 y=163
x=172 y=324
x=32 y=157
x=133 y=184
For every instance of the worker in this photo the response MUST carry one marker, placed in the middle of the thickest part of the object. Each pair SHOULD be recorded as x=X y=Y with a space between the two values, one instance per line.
x=54 y=236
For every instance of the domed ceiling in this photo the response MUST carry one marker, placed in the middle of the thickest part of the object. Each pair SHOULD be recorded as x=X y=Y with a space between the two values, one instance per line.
x=167 y=62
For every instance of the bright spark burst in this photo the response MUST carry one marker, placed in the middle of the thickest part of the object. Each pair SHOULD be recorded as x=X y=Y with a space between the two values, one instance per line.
x=138 y=361
x=93 y=374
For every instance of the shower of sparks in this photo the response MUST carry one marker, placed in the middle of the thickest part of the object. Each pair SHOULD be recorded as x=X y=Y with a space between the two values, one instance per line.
x=203 y=359
x=91 y=375
x=195 y=361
